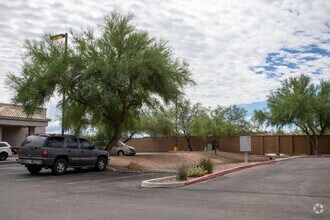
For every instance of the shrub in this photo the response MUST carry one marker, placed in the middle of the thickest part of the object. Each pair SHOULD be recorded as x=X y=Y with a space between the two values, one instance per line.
x=196 y=172
x=134 y=166
x=182 y=172
x=206 y=164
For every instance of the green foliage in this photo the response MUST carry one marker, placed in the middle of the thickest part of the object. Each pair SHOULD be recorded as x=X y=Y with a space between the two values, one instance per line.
x=159 y=123
x=235 y=115
x=107 y=78
x=182 y=172
x=206 y=164
x=186 y=114
x=301 y=103
x=196 y=120
x=214 y=126
x=196 y=172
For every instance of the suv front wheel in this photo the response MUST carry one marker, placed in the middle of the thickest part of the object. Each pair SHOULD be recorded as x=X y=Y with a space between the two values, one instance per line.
x=101 y=164
x=59 y=167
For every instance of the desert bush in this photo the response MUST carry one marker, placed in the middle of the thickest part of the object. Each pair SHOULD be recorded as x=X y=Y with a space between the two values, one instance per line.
x=206 y=164
x=196 y=172
x=182 y=172
x=134 y=166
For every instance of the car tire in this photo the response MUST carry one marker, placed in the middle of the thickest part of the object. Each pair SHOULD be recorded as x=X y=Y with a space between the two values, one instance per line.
x=34 y=169
x=3 y=156
x=101 y=164
x=60 y=167
x=121 y=153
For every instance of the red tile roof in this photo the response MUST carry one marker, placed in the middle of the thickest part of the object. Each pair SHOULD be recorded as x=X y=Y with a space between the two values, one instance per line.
x=17 y=112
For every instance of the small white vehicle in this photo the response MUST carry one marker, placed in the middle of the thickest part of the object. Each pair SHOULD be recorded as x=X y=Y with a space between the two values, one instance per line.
x=5 y=150
x=120 y=149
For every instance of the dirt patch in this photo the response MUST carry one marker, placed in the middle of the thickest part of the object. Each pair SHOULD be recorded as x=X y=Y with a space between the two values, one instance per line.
x=170 y=161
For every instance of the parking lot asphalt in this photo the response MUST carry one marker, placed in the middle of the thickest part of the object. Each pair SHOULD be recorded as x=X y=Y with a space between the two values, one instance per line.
x=284 y=190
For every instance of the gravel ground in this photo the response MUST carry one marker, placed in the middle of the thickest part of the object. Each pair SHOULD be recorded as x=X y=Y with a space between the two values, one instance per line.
x=170 y=161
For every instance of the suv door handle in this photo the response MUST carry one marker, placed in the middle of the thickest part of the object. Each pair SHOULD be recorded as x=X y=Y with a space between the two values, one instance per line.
x=69 y=151
x=82 y=151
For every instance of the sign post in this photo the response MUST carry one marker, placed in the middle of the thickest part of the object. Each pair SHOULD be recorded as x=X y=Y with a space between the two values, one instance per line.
x=245 y=146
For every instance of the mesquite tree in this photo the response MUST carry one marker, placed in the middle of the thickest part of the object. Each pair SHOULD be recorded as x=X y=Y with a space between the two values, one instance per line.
x=107 y=78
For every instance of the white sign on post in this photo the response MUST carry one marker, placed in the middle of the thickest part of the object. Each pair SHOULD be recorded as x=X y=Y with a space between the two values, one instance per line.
x=245 y=146
x=245 y=143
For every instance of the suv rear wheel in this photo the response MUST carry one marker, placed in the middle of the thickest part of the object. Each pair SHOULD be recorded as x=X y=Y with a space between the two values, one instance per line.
x=101 y=164
x=60 y=167
x=34 y=169
x=3 y=156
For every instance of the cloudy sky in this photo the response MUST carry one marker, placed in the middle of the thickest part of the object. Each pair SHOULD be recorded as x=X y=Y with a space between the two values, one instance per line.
x=237 y=50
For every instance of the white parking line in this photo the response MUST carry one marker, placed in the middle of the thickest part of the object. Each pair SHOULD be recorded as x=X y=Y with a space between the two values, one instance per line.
x=3 y=174
x=86 y=181
x=7 y=165
x=19 y=180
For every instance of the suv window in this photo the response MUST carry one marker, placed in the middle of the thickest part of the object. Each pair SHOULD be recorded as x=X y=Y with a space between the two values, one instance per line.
x=55 y=142
x=3 y=145
x=84 y=144
x=72 y=143
x=34 y=141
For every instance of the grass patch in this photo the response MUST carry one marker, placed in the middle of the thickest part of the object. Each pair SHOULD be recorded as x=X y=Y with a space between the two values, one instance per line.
x=182 y=172
x=196 y=172
x=206 y=164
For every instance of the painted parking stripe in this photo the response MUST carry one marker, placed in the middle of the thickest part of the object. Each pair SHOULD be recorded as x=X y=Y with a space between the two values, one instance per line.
x=3 y=174
x=86 y=181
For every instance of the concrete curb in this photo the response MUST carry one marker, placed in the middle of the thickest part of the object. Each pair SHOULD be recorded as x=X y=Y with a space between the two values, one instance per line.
x=231 y=170
x=154 y=183
x=161 y=171
x=289 y=158
x=223 y=172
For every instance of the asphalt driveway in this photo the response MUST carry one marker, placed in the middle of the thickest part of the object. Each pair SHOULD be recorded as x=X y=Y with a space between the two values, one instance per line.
x=284 y=190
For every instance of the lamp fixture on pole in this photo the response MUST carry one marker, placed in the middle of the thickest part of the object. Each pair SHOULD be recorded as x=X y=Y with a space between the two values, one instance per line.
x=57 y=37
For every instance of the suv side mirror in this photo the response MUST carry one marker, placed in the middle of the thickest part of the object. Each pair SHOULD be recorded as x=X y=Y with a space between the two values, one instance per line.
x=91 y=147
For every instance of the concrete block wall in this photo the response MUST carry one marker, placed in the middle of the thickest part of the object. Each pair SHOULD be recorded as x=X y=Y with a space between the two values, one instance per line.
x=282 y=144
x=165 y=144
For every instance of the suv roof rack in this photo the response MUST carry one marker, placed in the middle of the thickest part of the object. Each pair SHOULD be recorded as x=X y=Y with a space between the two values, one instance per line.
x=45 y=134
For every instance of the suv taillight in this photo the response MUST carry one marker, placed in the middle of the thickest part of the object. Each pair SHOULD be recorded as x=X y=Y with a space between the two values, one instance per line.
x=44 y=153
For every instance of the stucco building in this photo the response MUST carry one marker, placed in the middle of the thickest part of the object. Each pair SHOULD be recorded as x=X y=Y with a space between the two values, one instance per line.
x=16 y=125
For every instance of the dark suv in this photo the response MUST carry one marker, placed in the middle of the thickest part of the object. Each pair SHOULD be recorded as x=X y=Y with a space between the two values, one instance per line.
x=59 y=152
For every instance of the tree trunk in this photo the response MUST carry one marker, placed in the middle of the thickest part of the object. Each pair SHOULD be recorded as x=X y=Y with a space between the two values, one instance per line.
x=129 y=138
x=115 y=138
x=215 y=145
x=189 y=143
x=315 y=144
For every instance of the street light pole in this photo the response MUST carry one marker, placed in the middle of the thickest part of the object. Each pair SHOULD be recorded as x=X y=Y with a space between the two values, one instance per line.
x=56 y=37
x=66 y=67
x=176 y=122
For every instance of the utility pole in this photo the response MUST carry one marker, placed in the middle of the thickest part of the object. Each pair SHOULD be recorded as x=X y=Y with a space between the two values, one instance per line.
x=57 y=37
x=176 y=121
